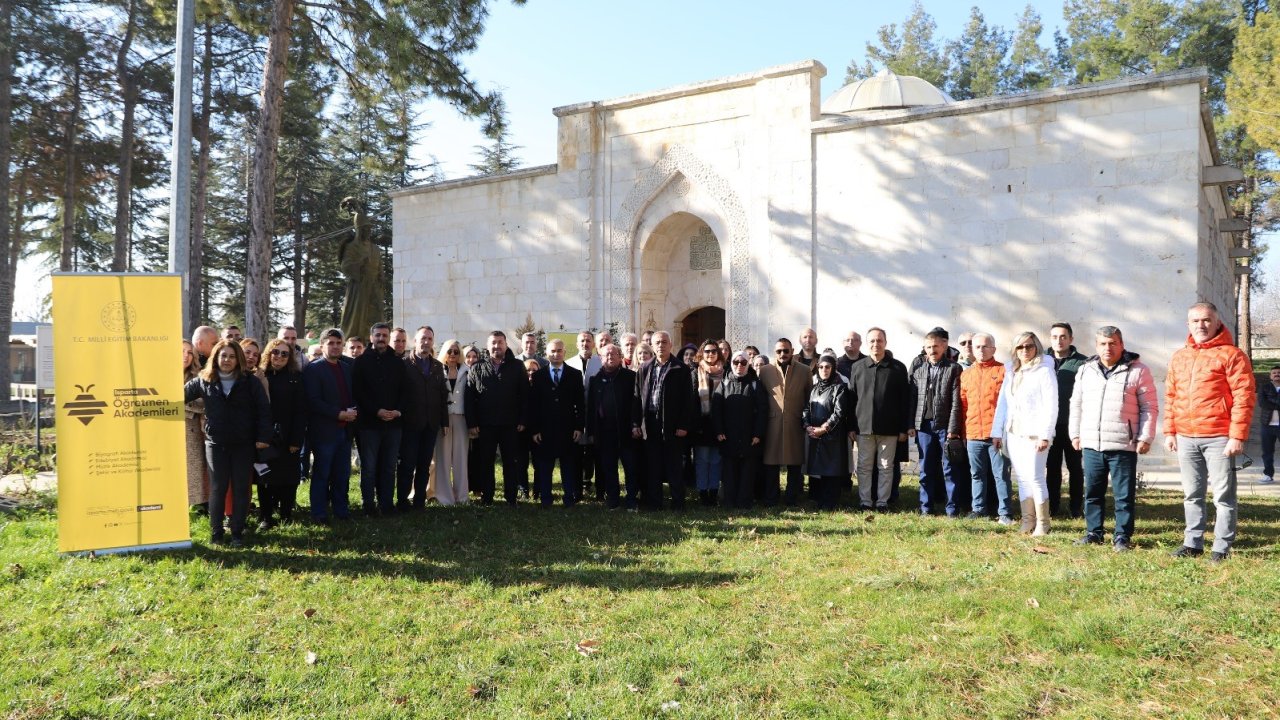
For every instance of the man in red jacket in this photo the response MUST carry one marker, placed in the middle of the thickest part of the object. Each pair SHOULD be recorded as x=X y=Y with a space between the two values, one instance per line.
x=1209 y=397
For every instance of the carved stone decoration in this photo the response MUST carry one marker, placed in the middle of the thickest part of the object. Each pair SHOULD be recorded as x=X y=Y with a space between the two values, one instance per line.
x=704 y=250
x=680 y=163
x=682 y=187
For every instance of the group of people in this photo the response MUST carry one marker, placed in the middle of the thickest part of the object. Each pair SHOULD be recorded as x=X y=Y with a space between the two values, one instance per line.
x=635 y=422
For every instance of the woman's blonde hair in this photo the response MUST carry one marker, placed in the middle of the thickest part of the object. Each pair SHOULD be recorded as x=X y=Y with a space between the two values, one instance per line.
x=192 y=368
x=443 y=355
x=1020 y=340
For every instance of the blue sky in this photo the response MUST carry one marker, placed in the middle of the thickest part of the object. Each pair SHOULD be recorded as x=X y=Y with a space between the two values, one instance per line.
x=549 y=53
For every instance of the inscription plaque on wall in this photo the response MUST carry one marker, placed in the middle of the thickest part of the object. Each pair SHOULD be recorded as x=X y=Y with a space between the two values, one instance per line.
x=704 y=250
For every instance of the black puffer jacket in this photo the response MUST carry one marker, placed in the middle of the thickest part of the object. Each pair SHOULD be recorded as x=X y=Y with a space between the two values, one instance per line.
x=240 y=418
x=946 y=397
x=740 y=411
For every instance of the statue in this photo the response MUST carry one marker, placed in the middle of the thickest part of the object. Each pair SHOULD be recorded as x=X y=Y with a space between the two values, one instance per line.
x=361 y=262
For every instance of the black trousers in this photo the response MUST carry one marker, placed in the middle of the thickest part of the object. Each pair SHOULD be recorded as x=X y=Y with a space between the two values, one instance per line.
x=229 y=466
x=826 y=490
x=738 y=478
x=1061 y=450
x=610 y=451
x=491 y=440
x=773 y=477
x=278 y=490
x=665 y=457
x=417 y=447
x=555 y=448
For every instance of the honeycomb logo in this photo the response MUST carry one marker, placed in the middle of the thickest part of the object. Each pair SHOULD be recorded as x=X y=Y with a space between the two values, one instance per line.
x=85 y=407
x=118 y=316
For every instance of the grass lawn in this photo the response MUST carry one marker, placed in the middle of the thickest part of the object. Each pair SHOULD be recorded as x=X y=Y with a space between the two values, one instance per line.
x=586 y=613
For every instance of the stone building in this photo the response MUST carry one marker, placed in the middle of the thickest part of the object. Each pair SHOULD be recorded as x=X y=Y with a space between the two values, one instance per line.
x=747 y=207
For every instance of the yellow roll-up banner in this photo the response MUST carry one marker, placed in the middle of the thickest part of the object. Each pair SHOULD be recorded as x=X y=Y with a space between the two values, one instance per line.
x=121 y=439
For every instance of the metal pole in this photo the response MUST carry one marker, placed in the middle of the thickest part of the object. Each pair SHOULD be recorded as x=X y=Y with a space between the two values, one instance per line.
x=38 y=393
x=180 y=156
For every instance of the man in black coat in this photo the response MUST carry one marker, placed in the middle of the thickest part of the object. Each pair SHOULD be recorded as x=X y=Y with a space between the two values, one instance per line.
x=555 y=425
x=611 y=416
x=667 y=411
x=879 y=397
x=426 y=411
x=496 y=397
x=379 y=378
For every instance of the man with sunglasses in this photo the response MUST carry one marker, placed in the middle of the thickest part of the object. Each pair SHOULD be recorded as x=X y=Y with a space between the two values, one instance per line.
x=786 y=385
x=1209 y=399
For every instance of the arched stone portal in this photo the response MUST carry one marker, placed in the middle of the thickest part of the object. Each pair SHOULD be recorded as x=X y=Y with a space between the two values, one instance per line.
x=680 y=267
x=678 y=186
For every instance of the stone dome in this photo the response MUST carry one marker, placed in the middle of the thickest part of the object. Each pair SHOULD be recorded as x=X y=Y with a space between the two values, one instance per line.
x=886 y=90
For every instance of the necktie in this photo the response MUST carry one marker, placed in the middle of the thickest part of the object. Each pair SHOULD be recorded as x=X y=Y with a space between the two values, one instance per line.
x=555 y=376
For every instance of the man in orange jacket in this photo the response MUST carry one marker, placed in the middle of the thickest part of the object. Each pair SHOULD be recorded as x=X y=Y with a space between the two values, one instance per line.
x=1209 y=397
x=979 y=393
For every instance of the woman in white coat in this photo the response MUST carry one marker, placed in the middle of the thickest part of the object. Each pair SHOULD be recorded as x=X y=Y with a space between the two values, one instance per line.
x=1026 y=416
x=451 y=447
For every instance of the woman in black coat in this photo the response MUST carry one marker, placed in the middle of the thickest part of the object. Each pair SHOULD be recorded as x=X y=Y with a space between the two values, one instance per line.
x=739 y=418
x=827 y=458
x=278 y=488
x=237 y=419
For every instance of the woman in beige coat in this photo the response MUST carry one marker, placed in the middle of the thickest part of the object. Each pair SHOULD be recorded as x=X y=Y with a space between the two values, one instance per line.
x=197 y=473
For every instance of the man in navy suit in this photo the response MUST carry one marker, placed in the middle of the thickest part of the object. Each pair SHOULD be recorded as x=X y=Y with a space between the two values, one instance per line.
x=666 y=414
x=555 y=425
x=331 y=411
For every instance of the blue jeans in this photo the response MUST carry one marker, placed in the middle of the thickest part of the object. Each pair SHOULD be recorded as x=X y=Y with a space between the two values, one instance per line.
x=379 y=456
x=935 y=468
x=1122 y=466
x=1269 y=435
x=985 y=459
x=330 y=478
x=706 y=467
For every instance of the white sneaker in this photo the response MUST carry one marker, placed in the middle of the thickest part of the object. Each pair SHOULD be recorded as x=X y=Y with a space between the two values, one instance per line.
x=1266 y=480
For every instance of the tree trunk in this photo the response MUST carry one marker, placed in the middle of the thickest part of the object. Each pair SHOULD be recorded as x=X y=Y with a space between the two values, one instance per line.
x=262 y=197
x=65 y=263
x=7 y=275
x=124 y=178
x=299 y=245
x=195 y=258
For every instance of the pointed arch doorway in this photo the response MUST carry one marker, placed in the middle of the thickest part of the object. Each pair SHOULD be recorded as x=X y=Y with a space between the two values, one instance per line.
x=702 y=324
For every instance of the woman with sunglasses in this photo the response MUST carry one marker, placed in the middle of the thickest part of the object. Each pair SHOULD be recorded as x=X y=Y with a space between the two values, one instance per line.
x=454 y=441
x=278 y=487
x=1026 y=416
x=739 y=416
x=823 y=417
x=706 y=375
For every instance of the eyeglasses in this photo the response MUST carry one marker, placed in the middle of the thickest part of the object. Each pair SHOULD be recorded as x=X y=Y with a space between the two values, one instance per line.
x=1026 y=347
x=711 y=351
x=279 y=353
x=782 y=351
x=740 y=362
x=452 y=351
x=1244 y=464
x=966 y=343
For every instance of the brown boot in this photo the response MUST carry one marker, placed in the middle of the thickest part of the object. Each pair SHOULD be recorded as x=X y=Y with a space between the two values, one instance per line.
x=1042 y=519
x=1028 y=516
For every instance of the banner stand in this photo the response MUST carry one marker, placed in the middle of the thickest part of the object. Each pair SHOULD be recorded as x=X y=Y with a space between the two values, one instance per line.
x=120 y=414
